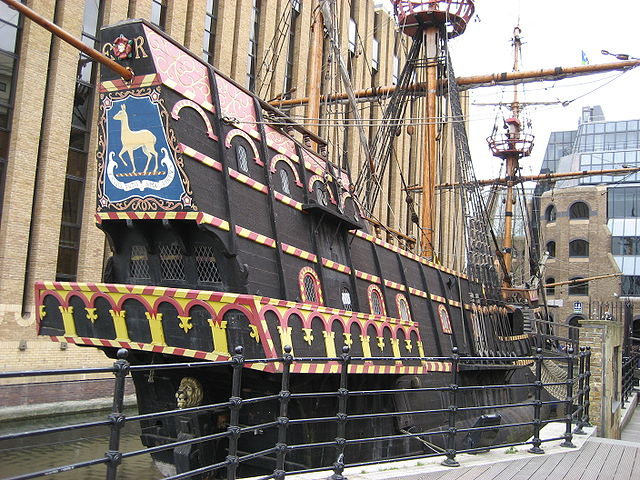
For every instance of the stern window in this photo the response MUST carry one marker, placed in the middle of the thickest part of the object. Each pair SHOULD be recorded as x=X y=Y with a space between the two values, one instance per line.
x=206 y=264
x=171 y=262
x=139 y=263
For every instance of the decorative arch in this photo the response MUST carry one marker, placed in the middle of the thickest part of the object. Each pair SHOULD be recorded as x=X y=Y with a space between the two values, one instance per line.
x=376 y=300
x=175 y=114
x=309 y=284
x=282 y=158
x=404 y=313
x=239 y=133
x=318 y=178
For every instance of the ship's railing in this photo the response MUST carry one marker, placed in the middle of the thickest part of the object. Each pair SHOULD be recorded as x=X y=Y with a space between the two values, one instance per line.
x=445 y=441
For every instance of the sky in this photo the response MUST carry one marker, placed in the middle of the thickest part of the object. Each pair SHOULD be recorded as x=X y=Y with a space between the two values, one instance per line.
x=555 y=33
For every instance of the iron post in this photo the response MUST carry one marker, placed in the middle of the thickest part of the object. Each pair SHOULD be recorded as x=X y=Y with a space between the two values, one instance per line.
x=451 y=461
x=537 y=405
x=116 y=417
x=341 y=416
x=587 y=388
x=283 y=420
x=234 y=413
x=568 y=406
x=580 y=411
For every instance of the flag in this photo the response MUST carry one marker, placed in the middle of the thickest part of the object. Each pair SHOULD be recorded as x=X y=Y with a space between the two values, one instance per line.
x=585 y=60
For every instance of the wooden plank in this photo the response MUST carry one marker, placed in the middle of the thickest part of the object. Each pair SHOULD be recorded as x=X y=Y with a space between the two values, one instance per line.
x=586 y=462
x=610 y=465
x=624 y=471
x=566 y=464
x=497 y=468
x=514 y=468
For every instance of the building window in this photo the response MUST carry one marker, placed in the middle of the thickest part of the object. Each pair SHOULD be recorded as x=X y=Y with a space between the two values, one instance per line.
x=291 y=49
x=254 y=30
x=77 y=155
x=375 y=55
x=242 y=159
x=579 y=288
x=579 y=211
x=10 y=26
x=376 y=301
x=625 y=245
x=396 y=70
x=310 y=290
x=346 y=299
x=550 y=290
x=578 y=248
x=551 y=249
x=550 y=213
x=210 y=26
x=159 y=13
x=403 y=308
x=623 y=202
x=353 y=35
x=630 y=286
x=284 y=181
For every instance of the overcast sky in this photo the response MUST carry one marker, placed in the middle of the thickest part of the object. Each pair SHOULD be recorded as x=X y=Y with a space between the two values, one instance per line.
x=555 y=33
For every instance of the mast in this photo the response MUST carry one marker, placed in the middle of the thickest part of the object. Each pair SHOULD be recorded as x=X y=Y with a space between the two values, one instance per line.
x=436 y=19
x=511 y=147
x=315 y=70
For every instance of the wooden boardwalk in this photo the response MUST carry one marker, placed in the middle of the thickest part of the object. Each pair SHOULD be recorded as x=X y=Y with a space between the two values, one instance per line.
x=598 y=459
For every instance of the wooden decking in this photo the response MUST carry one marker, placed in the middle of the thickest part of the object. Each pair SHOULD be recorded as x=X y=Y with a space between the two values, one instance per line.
x=598 y=459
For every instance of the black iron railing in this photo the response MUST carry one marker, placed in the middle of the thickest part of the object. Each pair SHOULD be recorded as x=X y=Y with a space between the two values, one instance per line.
x=629 y=365
x=575 y=402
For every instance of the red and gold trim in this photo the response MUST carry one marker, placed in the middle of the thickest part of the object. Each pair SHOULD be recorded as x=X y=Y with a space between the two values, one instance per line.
x=298 y=252
x=199 y=217
x=367 y=276
x=136 y=82
x=201 y=157
x=287 y=200
x=418 y=293
x=242 y=178
x=338 y=267
x=394 y=285
x=255 y=237
x=282 y=158
x=72 y=295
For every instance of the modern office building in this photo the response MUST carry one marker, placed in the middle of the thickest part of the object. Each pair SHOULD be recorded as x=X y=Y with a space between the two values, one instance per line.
x=590 y=225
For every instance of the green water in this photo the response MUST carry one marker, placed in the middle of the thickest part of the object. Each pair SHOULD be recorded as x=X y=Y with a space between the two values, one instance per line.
x=43 y=452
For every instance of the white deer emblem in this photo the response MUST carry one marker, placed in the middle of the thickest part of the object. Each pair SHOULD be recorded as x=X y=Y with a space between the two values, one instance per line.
x=132 y=140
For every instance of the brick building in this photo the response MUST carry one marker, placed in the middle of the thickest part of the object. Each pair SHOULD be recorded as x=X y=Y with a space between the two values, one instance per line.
x=48 y=139
x=589 y=225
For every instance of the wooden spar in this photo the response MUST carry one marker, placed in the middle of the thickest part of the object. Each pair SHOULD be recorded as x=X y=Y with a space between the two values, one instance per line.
x=124 y=72
x=534 y=178
x=511 y=155
x=430 y=140
x=577 y=281
x=476 y=81
x=315 y=71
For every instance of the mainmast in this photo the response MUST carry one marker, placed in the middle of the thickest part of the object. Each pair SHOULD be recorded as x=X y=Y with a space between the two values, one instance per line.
x=437 y=19
x=511 y=147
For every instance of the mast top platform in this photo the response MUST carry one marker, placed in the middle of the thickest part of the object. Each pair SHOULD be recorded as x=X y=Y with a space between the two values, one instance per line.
x=414 y=15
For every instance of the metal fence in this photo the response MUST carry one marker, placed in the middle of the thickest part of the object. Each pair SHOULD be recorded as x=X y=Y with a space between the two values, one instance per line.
x=629 y=364
x=575 y=407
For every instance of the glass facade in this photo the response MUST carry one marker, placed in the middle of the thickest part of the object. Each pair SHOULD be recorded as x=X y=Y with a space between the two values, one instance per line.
x=10 y=22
